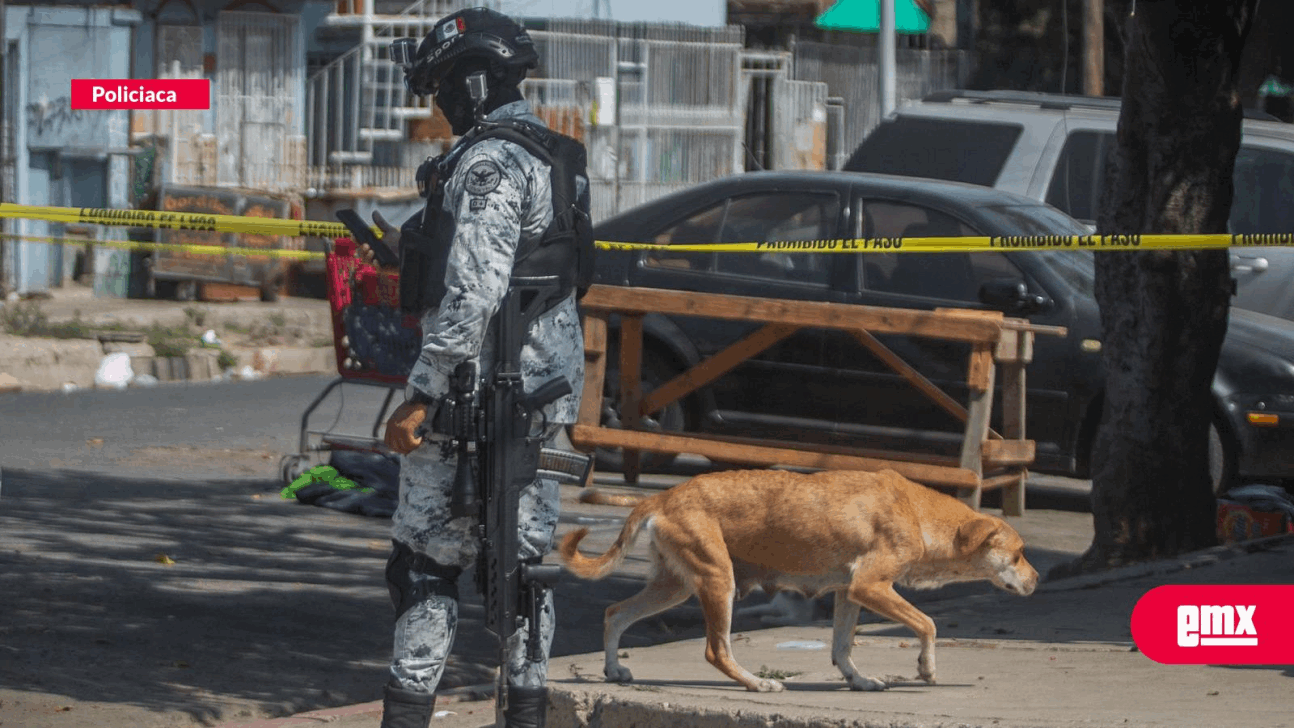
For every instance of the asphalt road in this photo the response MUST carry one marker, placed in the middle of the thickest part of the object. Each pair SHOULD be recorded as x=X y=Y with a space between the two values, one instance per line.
x=150 y=575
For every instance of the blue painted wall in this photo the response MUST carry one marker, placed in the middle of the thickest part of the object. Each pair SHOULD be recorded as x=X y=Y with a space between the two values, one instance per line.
x=64 y=156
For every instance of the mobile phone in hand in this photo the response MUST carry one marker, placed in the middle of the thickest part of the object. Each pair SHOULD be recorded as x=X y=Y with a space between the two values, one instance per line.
x=363 y=235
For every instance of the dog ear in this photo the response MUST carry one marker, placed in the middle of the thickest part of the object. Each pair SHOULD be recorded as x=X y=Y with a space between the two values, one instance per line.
x=973 y=534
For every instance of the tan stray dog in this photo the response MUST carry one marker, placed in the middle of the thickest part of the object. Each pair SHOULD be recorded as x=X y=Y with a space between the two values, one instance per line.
x=855 y=533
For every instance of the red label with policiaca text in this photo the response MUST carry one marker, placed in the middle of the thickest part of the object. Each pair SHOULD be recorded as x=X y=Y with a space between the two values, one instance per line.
x=1216 y=624
x=141 y=93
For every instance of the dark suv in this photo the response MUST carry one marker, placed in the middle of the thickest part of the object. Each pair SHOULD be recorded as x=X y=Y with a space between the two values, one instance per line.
x=823 y=386
x=1058 y=149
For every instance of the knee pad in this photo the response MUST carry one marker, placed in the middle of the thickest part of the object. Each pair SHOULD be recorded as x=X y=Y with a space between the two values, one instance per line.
x=412 y=578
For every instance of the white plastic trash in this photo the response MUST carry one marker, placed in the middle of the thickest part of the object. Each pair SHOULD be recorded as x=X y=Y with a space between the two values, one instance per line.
x=145 y=380
x=210 y=338
x=114 y=371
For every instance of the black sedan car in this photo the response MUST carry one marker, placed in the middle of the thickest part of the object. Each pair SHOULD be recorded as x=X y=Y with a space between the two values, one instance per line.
x=824 y=386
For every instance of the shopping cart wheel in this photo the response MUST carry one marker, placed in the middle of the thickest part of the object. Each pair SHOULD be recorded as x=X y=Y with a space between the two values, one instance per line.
x=291 y=467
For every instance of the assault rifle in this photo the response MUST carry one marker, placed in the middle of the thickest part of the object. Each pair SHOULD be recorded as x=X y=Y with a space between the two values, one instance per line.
x=500 y=451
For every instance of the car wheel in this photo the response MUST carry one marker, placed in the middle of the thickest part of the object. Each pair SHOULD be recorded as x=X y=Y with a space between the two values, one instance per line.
x=1222 y=459
x=655 y=372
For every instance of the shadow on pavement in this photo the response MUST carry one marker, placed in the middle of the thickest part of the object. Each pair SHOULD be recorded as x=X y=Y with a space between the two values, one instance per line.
x=265 y=607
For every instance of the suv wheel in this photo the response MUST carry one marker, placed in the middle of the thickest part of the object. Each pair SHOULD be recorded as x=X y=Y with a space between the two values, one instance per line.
x=655 y=372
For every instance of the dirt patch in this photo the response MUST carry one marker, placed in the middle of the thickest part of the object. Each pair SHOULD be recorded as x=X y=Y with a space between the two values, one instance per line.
x=240 y=462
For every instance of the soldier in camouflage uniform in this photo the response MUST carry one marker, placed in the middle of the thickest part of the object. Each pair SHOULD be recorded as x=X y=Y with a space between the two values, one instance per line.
x=498 y=198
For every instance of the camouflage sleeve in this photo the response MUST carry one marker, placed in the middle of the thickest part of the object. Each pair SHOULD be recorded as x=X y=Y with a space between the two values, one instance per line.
x=488 y=196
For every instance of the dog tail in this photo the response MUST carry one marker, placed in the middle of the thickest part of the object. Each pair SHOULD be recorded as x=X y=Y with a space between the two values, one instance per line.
x=598 y=567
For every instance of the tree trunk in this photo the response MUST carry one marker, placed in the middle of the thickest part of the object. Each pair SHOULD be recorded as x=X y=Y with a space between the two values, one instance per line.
x=1164 y=314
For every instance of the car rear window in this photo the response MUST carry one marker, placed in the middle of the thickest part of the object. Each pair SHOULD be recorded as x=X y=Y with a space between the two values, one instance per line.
x=1079 y=179
x=961 y=151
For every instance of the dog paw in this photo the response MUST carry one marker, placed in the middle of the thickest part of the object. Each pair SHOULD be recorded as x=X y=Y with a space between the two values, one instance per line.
x=868 y=684
x=618 y=674
x=926 y=669
x=767 y=686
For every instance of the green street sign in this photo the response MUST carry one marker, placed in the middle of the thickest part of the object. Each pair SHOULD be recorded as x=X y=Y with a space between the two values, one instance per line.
x=864 y=16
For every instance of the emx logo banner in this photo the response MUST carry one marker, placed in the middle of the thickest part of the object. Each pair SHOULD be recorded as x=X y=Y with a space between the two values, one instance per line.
x=1216 y=624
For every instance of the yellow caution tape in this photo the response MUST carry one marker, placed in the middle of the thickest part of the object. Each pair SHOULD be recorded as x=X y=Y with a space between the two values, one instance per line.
x=315 y=228
x=199 y=249
x=977 y=243
x=179 y=221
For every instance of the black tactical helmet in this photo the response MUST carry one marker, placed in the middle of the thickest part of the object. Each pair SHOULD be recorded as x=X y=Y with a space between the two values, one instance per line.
x=473 y=33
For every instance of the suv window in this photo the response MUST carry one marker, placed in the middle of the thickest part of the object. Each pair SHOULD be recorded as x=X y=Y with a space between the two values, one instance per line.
x=961 y=151
x=1264 y=181
x=1264 y=187
x=1079 y=178
x=755 y=219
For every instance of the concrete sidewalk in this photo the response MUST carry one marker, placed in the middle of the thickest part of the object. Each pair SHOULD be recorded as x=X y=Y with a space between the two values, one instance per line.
x=1063 y=657
x=289 y=336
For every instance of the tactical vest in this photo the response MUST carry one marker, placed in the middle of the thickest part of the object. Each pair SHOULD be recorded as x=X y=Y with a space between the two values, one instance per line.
x=564 y=250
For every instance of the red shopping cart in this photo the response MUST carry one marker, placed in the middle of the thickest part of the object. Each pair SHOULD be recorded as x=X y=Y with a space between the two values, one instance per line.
x=376 y=344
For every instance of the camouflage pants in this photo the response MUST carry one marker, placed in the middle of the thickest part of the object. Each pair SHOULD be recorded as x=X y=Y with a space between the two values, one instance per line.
x=424 y=635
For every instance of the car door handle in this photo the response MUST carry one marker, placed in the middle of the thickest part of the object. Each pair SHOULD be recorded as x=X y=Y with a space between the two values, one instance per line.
x=1255 y=264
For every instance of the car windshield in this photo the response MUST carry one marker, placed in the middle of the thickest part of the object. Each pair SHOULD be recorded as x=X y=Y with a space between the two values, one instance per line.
x=1032 y=220
x=1076 y=267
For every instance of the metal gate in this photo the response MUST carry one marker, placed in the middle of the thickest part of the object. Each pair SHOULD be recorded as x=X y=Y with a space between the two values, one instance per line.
x=662 y=105
x=851 y=73
x=258 y=111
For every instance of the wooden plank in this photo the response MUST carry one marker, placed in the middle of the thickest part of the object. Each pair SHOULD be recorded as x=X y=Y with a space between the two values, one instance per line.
x=817 y=314
x=631 y=357
x=714 y=367
x=972 y=313
x=950 y=461
x=588 y=436
x=1013 y=494
x=1002 y=453
x=1004 y=481
x=980 y=410
x=1015 y=346
x=1025 y=325
x=979 y=375
x=1014 y=391
x=914 y=377
x=595 y=369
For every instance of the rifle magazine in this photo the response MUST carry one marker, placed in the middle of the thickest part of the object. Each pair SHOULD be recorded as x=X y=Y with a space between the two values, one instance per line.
x=564 y=466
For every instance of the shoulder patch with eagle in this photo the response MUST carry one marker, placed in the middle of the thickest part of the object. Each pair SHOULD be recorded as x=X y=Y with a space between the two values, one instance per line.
x=483 y=177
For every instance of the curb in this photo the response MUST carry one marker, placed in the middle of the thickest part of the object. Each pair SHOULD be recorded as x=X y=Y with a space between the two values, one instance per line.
x=1192 y=560
x=30 y=364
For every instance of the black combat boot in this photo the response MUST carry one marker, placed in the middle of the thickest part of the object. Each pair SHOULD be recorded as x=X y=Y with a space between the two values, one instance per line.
x=527 y=707
x=407 y=709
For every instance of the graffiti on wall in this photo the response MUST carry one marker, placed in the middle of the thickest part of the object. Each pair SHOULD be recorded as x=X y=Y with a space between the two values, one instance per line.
x=51 y=117
x=55 y=124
